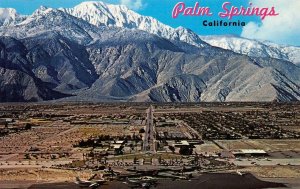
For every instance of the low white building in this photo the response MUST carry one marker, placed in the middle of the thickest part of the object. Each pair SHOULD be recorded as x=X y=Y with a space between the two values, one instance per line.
x=250 y=152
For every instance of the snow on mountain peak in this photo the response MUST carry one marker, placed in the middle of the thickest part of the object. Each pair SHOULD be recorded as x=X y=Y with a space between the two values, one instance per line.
x=255 y=48
x=102 y=14
x=7 y=13
x=99 y=4
x=8 y=16
x=41 y=10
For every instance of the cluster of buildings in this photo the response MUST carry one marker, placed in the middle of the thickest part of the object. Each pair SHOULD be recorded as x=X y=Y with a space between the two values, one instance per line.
x=8 y=125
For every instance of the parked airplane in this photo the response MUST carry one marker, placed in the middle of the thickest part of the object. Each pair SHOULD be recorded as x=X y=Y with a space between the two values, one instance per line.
x=90 y=184
x=240 y=173
x=143 y=182
x=174 y=176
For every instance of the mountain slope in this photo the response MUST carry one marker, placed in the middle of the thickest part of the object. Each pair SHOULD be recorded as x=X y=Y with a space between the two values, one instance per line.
x=237 y=79
x=60 y=61
x=49 y=36
x=148 y=72
x=17 y=81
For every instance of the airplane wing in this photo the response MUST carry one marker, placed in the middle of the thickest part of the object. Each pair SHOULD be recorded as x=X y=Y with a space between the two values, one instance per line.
x=100 y=181
x=93 y=185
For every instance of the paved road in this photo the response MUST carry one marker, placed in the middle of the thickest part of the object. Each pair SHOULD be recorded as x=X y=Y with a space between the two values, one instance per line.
x=149 y=138
x=31 y=164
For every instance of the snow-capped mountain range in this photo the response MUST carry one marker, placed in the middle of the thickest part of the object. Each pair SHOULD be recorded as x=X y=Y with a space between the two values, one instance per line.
x=97 y=51
x=255 y=48
x=120 y=16
x=101 y=14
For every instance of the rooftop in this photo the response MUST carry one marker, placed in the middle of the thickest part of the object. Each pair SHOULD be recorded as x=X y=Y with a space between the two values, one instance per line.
x=249 y=151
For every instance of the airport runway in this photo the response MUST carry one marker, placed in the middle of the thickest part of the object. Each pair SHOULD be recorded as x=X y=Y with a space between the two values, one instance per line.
x=206 y=181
